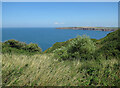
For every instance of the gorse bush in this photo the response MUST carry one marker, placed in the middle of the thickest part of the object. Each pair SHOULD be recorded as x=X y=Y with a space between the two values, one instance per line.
x=79 y=48
x=14 y=46
x=33 y=47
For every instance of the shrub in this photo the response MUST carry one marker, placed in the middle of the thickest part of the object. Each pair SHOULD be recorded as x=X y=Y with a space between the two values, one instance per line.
x=33 y=47
x=79 y=48
x=14 y=46
x=57 y=45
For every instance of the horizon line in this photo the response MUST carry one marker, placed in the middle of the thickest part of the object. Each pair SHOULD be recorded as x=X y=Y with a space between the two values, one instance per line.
x=58 y=27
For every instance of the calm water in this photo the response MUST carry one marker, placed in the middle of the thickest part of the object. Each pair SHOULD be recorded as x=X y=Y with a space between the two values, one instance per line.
x=46 y=37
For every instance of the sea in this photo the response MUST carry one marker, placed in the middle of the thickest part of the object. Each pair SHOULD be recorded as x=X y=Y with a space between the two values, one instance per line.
x=46 y=37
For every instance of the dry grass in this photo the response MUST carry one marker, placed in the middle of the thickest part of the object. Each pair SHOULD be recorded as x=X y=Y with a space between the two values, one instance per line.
x=43 y=70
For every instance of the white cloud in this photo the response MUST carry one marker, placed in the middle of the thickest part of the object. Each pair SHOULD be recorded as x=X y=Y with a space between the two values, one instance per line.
x=58 y=23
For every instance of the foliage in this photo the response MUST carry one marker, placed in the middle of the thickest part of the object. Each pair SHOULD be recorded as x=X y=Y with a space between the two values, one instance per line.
x=79 y=48
x=13 y=46
x=57 y=45
x=44 y=70
x=94 y=62
x=110 y=45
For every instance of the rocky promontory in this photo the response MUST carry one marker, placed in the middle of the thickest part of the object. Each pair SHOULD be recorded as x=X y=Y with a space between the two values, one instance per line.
x=91 y=28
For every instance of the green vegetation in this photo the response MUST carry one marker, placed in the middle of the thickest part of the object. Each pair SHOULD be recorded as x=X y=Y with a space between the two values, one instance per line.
x=44 y=70
x=78 y=48
x=107 y=47
x=77 y=62
x=16 y=47
x=110 y=45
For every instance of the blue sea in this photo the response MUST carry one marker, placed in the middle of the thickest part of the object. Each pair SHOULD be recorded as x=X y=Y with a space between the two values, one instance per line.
x=46 y=37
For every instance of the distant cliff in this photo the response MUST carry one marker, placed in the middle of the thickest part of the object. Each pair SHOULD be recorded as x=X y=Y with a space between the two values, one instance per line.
x=91 y=28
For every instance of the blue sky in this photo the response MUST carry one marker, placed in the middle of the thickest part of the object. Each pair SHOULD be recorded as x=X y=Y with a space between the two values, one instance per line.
x=59 y=14
x=60 y=0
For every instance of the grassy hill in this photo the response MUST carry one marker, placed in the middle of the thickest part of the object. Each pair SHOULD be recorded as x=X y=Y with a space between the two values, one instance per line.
x=77 y=62
x=44 y=70
x=108 y=46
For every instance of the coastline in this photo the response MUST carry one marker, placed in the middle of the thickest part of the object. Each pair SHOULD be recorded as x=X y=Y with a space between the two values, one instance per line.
x=91 y=28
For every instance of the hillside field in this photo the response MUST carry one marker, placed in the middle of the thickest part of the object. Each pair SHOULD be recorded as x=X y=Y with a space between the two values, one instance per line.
x=77 y=62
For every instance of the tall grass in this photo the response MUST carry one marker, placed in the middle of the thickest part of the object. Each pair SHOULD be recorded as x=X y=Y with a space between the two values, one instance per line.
x=44 y=70
x=0 y=69
x=0 y=64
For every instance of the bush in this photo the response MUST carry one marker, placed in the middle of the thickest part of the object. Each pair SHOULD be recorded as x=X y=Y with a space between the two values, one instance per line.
x=79 y=48
x=14 y=46
x=57 y=45
x=33 y=48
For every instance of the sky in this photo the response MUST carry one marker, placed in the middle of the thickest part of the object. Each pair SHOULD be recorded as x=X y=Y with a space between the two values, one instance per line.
x=60 y=0
x=59 y=14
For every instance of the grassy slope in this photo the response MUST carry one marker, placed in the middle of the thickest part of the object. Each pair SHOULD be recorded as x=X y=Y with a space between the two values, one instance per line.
x=43 y=70
x=46 y=70
x=109 y=45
